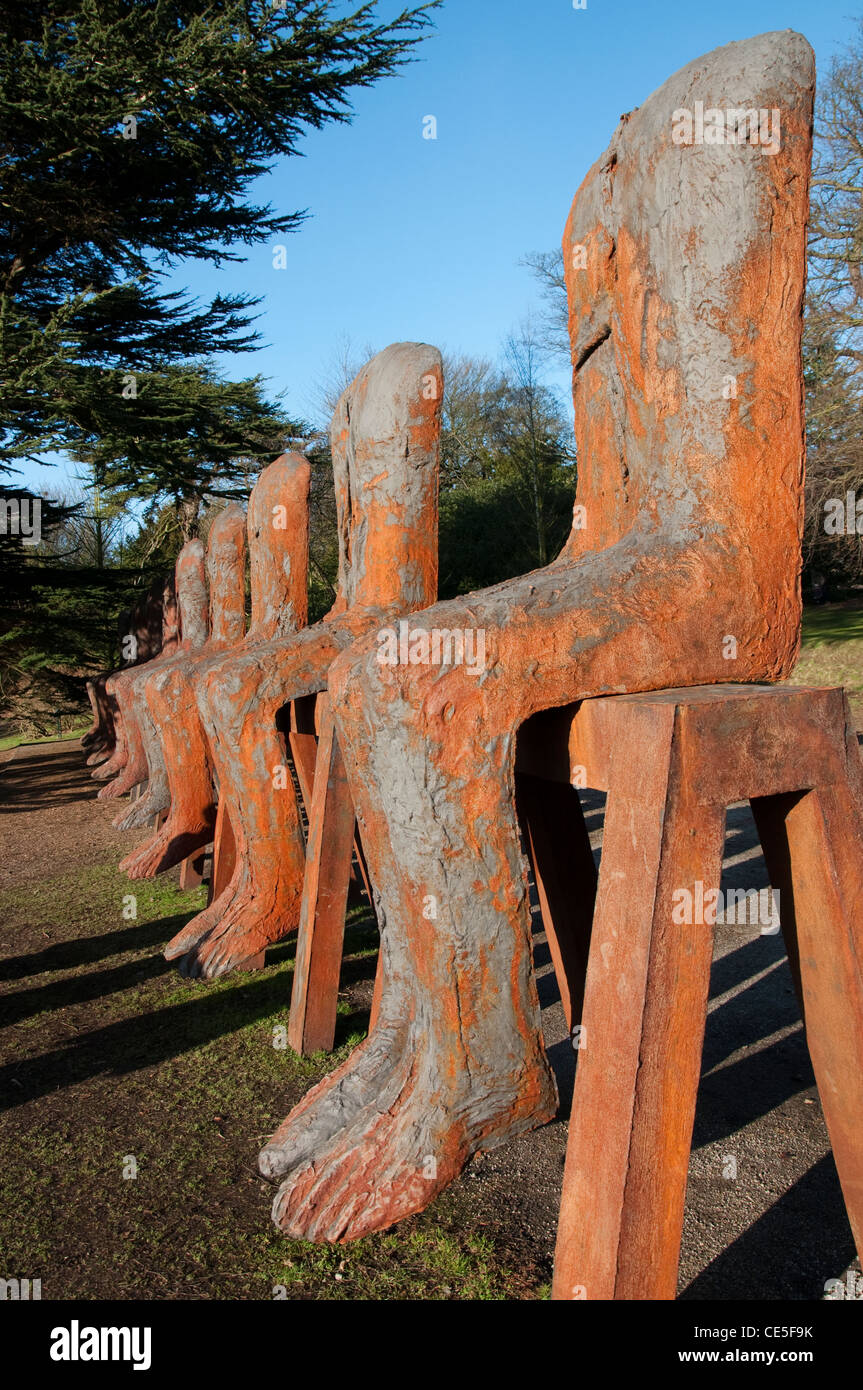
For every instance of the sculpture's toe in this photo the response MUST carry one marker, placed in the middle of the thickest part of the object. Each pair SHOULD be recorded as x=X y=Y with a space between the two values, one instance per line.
x=387 y=1165
x=110 y=791
x=197 y=929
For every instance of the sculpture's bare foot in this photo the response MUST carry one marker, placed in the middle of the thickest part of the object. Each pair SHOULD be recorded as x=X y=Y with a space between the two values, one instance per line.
x=112 y=790
x=377 y=1139
x=171 y=846
x=142 y=811
x=99 y=756
x=112 y=767
x=133 y=773
x=201 y=924
x=246 y=927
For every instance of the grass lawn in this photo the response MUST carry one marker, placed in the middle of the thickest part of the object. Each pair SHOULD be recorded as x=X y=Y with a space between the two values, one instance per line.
x=16 y=740
x=113 y=1064
x=832 y=650
x=832 y=622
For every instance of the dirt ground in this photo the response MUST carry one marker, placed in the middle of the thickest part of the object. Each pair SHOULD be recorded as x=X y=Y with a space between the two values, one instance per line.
x=133 y=1104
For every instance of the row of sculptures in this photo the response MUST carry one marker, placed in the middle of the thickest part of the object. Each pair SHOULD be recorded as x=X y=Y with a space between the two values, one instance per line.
x=684 y=270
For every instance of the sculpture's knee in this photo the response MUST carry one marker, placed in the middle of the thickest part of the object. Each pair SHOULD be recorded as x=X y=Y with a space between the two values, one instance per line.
x=357 y=676
x=208 y=691
x=161 y=681
x=225 y=692
x=442 y=669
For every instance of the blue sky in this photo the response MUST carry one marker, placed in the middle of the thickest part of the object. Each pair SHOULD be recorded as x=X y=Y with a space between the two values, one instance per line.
x=412 y=238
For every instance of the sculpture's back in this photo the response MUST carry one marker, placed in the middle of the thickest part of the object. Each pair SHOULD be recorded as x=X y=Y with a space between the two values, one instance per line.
x=685 y=269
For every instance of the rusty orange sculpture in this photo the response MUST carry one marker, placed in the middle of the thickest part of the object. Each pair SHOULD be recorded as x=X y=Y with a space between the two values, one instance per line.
x=100 y=736
x=191 y=591
x=277 y=561
x=146 y=766
x=157 y=697
x=384 y=436
x=119 y=688
x=143 y=624
x=685 y=275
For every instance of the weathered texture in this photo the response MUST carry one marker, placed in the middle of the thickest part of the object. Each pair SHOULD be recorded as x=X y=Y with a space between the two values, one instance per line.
x=276 y=554
x=101 y=733
x=326 y=882
x=694 y=272
x=148 y=766
x=384 y=437
x=144 y=624
x=176 y=760
x=119 y=687
x=191 y=588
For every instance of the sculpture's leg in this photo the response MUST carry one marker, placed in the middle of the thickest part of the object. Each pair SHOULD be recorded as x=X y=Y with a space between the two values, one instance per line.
x=157 y=795
x=107 y=706
x=238 y=701
x=558 y=844
x=821 y=923
x=116 y=689
x=137 y=768
x=96 y=727
x=105 y=741
x=320 y=943
x=456 y=1058
x=134 y=769
x=456 y=1061
x=644 y=1012
x=224 y=853
x=191 y=820
x=100 y=741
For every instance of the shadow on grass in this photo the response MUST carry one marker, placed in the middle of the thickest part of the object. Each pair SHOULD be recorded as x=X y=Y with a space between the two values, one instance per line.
x=79 y=989
x=160 y=1034
x=69 y=955
x=156 y=1036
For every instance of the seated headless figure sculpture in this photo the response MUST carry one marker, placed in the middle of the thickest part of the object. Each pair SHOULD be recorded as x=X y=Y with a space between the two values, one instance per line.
x=278 y=581
x=192 y=600
x=685 y=268
x=224 y=566
x=119 y=689
x=384 y=438
x=100 y=734
x=191 y=589
x=140 y=635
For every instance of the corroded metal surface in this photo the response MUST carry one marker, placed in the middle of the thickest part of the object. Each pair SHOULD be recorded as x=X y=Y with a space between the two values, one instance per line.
x=143 y=625
x=672 y=763
x=147 y=766
x=191 y=629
